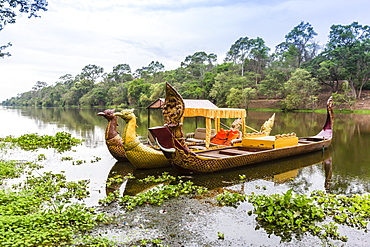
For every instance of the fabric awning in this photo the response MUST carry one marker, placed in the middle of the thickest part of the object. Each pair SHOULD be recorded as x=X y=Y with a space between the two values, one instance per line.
x=189 y=103
x=205 y=108
x=215 y=113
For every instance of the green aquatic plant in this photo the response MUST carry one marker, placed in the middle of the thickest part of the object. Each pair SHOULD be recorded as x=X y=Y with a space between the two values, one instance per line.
x=242 y=177
x=40 y=212
x=164 y=177
x=353 y=211
x=159 y=194
x=61 y=141
x=220 y=235
x=2 y=145
x=260 y=187
x=290 y=214
x=45 y=209
x=47 y=227
x=54 y=188
x=41 y=157
x=149 y=242
x=78 y=162
x=165 y=191
x=66 y=158
x=287 y=214
x=116 y=179
x=96 y=159
x=10 y=169
x=228 y=198
x=110 y=198
x=14 y=168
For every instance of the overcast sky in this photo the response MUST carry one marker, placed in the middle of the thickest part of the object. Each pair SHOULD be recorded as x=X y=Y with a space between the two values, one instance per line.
x=75 y=33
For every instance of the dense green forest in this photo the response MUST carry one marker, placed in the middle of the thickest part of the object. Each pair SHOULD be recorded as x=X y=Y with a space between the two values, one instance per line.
x=296 y=72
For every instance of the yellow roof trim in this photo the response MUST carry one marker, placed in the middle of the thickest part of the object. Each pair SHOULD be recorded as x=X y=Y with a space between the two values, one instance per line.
x=215 y=113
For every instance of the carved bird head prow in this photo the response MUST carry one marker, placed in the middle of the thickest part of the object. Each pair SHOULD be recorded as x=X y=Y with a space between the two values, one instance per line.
x=126 y=114
x=108 y=114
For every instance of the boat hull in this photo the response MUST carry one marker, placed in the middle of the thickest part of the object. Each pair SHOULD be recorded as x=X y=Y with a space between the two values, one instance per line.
x=144 y=157
x=115 y=148
x=200 y=163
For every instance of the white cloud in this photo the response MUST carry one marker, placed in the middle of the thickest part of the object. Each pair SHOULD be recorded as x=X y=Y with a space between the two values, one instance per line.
x=72 y=34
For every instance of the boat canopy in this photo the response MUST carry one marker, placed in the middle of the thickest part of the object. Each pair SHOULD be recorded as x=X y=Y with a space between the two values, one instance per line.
x=189 y=103
x=205 y=108
x=215 y=114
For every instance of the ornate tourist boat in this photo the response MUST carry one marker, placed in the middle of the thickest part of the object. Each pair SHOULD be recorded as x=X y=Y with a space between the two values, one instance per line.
x=129 y=148
x=252 y=149
x=143 y=155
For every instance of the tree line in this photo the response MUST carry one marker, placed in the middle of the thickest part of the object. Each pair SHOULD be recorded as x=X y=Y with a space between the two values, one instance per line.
x=296 y=72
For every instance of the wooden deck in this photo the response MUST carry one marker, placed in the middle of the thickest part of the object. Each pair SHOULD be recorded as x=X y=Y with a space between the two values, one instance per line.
x=224 y=153
x=237 y=151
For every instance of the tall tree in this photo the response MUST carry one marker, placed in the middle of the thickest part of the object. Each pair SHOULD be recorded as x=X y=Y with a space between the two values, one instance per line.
x=225 y=81
x=39 y=85
x=349 y=47
x=135 y=90
x=252 y=53
x=238 y=52
x=199 y=63
x=259 y=55
x=121 y=73
x=91 y=72
x=9 y=9
x=155 y=67
x=68 y=80
x=152 y=69
x=299 y=45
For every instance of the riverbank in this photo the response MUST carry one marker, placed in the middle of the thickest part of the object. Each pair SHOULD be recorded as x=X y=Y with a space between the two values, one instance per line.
x=360 y=106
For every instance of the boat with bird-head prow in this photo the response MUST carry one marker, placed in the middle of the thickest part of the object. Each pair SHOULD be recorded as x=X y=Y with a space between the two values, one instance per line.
x=253 y=148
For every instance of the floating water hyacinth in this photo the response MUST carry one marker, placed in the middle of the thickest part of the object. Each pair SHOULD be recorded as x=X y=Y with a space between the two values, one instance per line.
x=61 y=141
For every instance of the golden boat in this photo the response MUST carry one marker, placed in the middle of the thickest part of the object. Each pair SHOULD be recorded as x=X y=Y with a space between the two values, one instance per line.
x=251 y=150
x=144 y=155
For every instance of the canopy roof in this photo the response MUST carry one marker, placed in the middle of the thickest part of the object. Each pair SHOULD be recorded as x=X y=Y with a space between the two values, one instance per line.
x=189 y=103
x=215 y=113
x=204 y=108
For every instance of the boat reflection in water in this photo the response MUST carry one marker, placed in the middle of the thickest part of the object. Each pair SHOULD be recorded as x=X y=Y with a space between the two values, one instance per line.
x=132 y=186
x=278 y=171
x=328 y=166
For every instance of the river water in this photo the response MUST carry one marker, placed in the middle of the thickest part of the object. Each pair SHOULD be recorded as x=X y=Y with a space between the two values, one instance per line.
x=344 y=168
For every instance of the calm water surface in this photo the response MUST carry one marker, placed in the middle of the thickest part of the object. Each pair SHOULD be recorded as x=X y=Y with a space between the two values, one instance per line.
x=344 y=168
